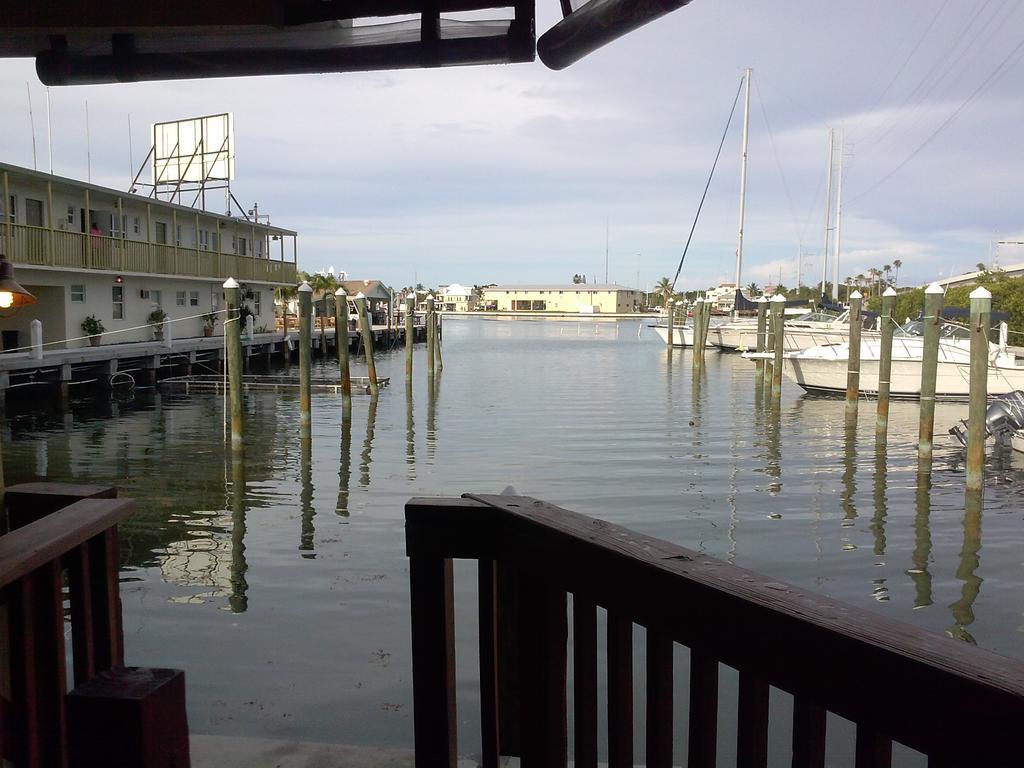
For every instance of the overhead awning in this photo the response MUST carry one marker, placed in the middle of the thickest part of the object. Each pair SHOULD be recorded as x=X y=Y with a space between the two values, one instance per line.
x=86 y=41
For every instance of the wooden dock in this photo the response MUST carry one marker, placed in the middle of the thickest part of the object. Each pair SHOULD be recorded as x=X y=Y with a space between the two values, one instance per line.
x=132 y=364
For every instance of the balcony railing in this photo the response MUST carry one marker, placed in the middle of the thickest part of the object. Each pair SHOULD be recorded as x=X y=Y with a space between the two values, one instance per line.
x=38 y=246
x=955 y=703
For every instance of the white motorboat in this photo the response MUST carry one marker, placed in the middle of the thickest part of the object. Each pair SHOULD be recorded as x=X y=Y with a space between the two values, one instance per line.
x=807 y=330
x=682 y=335
x=823 y=369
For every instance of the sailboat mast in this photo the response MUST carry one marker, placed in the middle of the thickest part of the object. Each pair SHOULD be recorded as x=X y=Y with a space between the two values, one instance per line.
x=743 y=183
x=828 y=211
x=839 y=221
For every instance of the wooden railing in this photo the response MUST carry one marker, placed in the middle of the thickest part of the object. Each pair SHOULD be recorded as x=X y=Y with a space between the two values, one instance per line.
x=39 y=246
x=955 y=703
x=77 y=543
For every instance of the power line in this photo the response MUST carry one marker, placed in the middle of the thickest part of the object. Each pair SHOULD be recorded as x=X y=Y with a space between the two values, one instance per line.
x=999 y=70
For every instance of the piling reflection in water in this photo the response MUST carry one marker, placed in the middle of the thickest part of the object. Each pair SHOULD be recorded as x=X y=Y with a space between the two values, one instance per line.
x=920 y=557
x=433 y=392
x=238 y=600
x=848 y=494
x=970 y=560
x=410 y=432
x=880 y=498
x=365 y=458
x=306 y=508
x=345 y=459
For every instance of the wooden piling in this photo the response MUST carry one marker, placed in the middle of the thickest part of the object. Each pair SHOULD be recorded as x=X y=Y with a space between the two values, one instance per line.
x=410 y=331
x=430 y=335
x=698 y=312
x=981 y=315
x=305 y=353
x=885 y=365
x=779 y=326
x=853 y=358
x=367 y=334
x=762 y=312
x=341 y=341
x=233 y=342
x=670 y=316
x=933 y=297
x=769 y=344
x=437 y=339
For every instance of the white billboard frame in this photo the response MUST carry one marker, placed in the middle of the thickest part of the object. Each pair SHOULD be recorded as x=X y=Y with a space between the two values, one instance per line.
x=195 y=150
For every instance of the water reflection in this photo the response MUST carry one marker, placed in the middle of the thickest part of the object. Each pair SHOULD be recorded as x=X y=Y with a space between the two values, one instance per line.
x=848 y=494
x=306 y=508
x=881 y=502
x=773 y=451
x=238 y=600
x=365 y=458
x=345 y=458
x=433 y=391
x=410 y=431
x=921 y=555
x=963 y=609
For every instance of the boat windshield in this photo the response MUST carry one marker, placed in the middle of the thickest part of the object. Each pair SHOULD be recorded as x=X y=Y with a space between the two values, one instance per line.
x=948 y=330
x=816 y=317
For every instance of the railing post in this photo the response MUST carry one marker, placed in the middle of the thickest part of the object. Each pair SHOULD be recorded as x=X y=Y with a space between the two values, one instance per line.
x=36 y=336
x=168 y=335
x=432 y=607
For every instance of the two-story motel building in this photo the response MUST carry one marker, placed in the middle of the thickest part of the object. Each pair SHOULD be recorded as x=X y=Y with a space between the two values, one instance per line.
x=83 y=250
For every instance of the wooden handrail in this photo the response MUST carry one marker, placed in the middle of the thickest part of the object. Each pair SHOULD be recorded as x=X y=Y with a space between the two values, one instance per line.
x=38 y=543
x=896 y=682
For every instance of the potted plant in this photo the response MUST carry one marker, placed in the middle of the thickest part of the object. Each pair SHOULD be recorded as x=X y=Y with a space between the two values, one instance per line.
x=94 y=329
x=156 y=319
x=209 y=323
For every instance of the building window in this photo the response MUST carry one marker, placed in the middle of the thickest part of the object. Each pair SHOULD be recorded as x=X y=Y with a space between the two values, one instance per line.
x=71 y=214
x=259 y=248
x=256 y=302
x=161 y=232
x=154 y=296
x=135 y=225
x=12 y=209
x=117 y=297
x=179 y=298
x=33 y=212
x=234 y=243
x=177 y=235
x=193 y=298
x=78 y=294
x=242 y=246
x=204 y=239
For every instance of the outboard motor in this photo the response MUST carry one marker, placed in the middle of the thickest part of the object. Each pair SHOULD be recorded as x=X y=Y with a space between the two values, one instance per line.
x=1004 y=417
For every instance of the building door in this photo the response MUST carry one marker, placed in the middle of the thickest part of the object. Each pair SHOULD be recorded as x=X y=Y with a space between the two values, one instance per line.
x=160 y=235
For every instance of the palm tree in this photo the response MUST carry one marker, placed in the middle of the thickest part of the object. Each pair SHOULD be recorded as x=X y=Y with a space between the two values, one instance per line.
x=664 y=288
x=981 y=266
x=849 y=284
x=284 y=294
x=875 y=273
x=323 y=286
x=897 y=264
x=752 y=289
x=887 y=269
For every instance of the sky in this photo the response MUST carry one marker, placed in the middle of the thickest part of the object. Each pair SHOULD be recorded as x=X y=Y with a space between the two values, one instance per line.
x=511 y=174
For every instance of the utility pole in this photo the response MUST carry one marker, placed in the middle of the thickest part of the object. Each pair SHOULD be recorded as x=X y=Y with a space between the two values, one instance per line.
x=743 y=183
x=828 y=210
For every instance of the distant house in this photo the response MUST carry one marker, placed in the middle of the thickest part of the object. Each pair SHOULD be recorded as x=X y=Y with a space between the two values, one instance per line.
x=723 y=297
x=378 y=297
x=574 y=298
x=457 y=298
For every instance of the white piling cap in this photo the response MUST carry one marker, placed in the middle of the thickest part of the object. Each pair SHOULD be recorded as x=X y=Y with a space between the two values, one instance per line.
x=340 y=292
x=230 y=283
x=778 y=297
x=934 y=288
x=429 y=297
x=359 y=296
x=761 y=300
x=305 y=287
x=981 y=292
x=671 y=301
x=856 y=295
x=699 y=300
x=890 y=291
x=410 y=295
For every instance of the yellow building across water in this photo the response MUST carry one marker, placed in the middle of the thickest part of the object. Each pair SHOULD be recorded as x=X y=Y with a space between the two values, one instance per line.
x=574 y=298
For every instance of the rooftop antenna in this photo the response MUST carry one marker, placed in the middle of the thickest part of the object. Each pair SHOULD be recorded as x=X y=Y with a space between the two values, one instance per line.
x=32 y=125
x=88 y=146
x=131 y=162
x=606 y=250
x=49 y=132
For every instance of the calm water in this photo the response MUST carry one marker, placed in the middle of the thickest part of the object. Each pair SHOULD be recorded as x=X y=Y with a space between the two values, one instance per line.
x=282 y=587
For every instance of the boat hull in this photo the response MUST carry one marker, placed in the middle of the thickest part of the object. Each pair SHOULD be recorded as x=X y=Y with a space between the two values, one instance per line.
x=681 y=336
x=952 y=381
x=745 y=339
